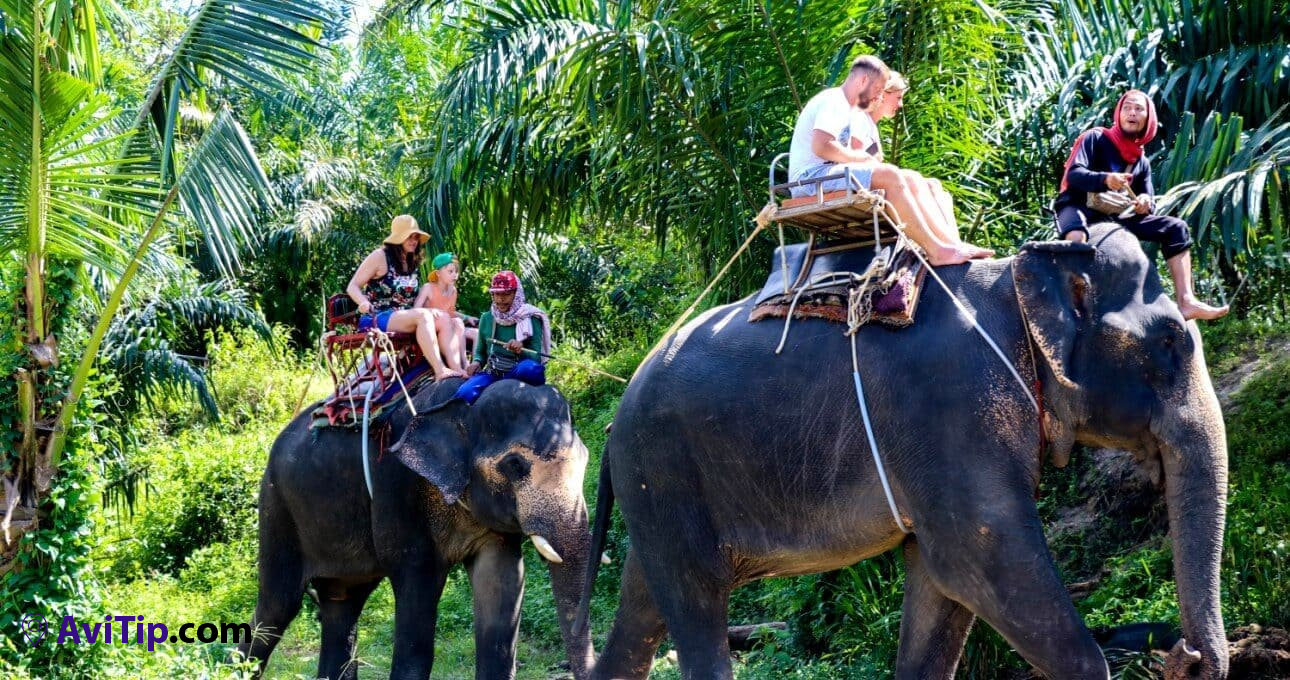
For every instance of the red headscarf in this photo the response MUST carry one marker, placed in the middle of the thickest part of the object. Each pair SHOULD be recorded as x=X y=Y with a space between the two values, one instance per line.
x=1130 y=148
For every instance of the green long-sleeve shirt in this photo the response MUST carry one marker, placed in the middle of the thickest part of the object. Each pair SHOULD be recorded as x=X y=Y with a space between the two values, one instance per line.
x=491 y=329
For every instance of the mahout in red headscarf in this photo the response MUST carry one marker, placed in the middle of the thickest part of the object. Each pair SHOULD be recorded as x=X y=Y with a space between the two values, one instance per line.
x=1130 y=148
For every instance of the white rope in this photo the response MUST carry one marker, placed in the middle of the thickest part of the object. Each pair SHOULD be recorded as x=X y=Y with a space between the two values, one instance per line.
x=967 y=314
x=382 y=341
x=783 y=256
x=823 y=280
x=873 y=444
x=367 y=415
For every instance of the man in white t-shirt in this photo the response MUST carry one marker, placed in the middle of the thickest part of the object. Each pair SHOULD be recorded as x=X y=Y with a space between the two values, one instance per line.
x=822 y=146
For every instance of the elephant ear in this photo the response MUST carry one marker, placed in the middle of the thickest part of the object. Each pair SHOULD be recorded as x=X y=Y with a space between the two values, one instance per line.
x=1054 y=291
x=435 y=445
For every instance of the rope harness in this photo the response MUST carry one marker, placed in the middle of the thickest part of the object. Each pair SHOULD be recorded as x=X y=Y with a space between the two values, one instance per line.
x=859 y=311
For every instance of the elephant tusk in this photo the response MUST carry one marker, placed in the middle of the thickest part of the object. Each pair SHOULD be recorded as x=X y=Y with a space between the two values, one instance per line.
x=544 y=547
x=1181 y=660
x=604 y=558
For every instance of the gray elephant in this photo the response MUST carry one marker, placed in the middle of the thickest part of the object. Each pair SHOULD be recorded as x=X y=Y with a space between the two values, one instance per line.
x=463 y=484
x=732 y=464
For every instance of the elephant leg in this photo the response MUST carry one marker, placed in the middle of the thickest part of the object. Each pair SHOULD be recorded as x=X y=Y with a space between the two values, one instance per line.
x=1001 y=569
x=497 y=585
x=417 y=589
x=339 y=606
x=696 y=608
x=933 y=628
x=638 y=629
x=281 y=585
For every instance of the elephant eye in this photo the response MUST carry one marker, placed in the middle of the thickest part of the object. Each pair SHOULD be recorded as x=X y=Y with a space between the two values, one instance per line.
x=513 y=466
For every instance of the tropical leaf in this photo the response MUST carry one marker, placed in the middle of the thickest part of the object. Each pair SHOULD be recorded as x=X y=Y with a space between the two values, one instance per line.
x=54 y=195
x=223 y=191
x=140 y=345
x=246 y=42
x=1217 y=179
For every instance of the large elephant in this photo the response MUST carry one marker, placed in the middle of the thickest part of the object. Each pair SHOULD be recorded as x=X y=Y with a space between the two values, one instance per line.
x=733 y=464
x=463 y=484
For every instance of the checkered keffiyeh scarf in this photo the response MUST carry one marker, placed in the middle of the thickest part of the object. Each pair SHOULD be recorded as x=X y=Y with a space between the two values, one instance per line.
x=520 y=315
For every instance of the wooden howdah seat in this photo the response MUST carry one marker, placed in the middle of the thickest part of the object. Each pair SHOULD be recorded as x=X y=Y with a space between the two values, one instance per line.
x=360 y=361
x=845 y=215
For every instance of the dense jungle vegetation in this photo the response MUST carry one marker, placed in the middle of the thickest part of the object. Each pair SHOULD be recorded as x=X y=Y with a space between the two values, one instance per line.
x=185 y=182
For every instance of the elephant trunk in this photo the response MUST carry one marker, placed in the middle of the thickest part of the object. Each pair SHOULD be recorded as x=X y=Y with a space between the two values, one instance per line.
x=567 y=581
x=1194 y=453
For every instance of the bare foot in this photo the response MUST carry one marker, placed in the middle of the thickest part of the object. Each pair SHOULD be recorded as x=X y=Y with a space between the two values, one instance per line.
x=979 y=253
x=448 y=373
x=1192 y=308
x=946 y=255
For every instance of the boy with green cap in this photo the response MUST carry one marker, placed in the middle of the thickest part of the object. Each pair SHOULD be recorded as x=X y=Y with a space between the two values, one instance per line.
x=439 y=294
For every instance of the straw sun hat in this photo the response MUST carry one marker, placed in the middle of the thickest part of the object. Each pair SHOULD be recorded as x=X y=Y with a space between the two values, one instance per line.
x=402 y=228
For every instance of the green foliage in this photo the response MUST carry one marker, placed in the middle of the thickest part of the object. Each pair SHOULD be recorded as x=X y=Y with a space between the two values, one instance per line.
x=1256 y=562
x=204 y=485
x=1221 y=62
x=150 y=348
x=603 y=296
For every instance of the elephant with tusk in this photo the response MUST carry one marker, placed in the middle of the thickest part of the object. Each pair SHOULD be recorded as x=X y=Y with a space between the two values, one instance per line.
x=732 y=464
x=463 y=484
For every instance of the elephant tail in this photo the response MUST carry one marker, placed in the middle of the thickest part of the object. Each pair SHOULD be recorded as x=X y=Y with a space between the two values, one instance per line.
x=599 y=536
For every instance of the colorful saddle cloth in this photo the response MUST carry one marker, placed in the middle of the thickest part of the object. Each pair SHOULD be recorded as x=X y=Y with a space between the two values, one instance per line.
x=345 y=406
x=362 y=360
x=892 y=298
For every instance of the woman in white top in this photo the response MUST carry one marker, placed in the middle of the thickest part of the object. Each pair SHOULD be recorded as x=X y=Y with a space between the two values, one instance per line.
x=866 y=139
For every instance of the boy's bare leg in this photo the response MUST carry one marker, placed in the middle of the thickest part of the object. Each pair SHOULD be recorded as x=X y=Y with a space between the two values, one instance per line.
x=1191 y=308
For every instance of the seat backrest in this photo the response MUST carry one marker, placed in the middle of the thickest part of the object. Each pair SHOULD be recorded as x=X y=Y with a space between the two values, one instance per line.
x=341 y=309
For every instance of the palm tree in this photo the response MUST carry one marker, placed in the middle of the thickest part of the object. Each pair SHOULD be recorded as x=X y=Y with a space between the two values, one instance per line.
x=83 y=192
x=659 y=115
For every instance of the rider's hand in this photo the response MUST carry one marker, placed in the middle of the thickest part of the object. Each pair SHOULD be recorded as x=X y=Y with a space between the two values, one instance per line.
x=1142 y=205
x=515 y=346
x=1116 y=181
x=472 y=368
x=365 y=307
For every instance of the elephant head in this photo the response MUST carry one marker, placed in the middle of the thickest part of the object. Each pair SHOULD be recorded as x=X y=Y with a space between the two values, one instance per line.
x=514 y=460
x=1122 y=368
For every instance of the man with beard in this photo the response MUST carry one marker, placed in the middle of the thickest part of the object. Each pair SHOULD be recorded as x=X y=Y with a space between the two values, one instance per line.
x=1112 y=159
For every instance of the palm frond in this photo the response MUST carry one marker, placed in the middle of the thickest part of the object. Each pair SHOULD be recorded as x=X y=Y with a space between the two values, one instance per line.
x=223 y=191
x=1218 y=179
x=145 y=346
x=245 y=42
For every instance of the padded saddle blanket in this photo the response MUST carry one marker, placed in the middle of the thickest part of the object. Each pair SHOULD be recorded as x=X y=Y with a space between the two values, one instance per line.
x=893 y=298
x=344 y=407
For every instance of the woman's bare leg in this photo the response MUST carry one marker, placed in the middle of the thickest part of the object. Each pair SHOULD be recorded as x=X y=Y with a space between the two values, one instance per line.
x=946 y=203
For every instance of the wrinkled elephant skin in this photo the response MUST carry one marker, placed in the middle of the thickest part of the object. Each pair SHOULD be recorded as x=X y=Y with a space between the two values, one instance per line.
x=462 y=484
